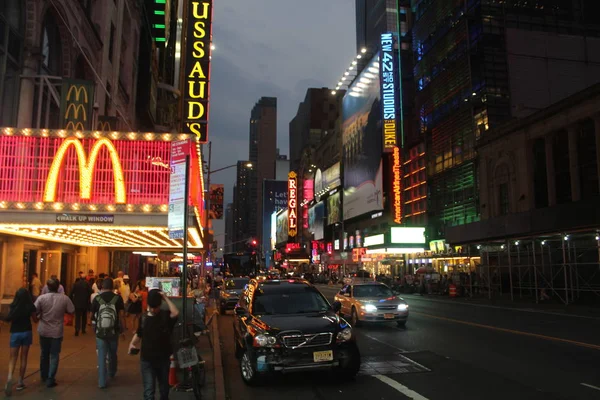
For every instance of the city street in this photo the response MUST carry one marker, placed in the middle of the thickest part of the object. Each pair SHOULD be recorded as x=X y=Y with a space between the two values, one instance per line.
x=451 y=350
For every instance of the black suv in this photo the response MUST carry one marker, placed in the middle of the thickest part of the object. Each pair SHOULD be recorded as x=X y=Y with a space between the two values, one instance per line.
x=288 y=326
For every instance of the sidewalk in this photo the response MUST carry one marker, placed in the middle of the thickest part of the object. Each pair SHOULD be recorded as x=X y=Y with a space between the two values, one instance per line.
x=77 y=372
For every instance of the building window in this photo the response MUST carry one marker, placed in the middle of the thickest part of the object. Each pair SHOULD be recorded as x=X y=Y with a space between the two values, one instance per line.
x=51 y=47
x=11 y=46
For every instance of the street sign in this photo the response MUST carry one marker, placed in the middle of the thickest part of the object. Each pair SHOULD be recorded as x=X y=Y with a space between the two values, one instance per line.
x=176 y=218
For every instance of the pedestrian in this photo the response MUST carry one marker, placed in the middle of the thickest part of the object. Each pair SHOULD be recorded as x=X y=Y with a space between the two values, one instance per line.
x=80 y=295
x=51 y=309
x=61 y=288
x=96 y=286
x=154 y=334
x=107 y=317
x=20 y=314
x=35 y=286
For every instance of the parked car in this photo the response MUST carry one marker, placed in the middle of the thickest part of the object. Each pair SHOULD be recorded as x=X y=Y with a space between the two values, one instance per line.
x=358 y=277
x=288 y=326
x=230 y=294
x=372 y=302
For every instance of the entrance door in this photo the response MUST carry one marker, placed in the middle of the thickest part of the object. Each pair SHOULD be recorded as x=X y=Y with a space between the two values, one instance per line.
x=49 y=262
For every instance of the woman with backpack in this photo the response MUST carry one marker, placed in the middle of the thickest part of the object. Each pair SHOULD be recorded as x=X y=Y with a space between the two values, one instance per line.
x=22 y=311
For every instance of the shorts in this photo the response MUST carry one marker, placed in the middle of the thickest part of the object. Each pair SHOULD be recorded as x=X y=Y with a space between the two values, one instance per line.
x=18 y=339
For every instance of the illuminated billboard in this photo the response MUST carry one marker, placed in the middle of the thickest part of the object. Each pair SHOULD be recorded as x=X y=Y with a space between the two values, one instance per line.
x=334 y=208
x=88 y=171
x=292 y=204
x=389 y=92
x=274 y=199
x=362 y=144
x=316 y=216
x=196 y=85
x=281 y=234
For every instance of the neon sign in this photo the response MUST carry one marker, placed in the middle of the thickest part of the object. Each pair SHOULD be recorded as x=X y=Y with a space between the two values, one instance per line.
x=396 y=186
x=197 y=69
x=86 y=169
x=292 y=204
x=389 y=92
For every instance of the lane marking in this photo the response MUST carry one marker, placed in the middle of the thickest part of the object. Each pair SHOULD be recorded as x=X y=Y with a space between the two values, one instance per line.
x=495 y=328
x=400 y=387
x=590 y=386
x=387 y=344
x=527 y=310
x=407 y=359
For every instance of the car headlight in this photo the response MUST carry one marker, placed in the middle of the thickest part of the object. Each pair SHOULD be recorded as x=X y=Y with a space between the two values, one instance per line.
x=370 y=308
x=344 y=335
x=264 y=341
x=402 y=307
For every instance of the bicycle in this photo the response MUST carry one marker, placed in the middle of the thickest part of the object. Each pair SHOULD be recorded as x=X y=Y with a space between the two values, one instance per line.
x=192 y=365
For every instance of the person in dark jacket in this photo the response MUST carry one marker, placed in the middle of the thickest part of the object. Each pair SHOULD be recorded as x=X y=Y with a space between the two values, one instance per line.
x=22 y=311
x=80 y=295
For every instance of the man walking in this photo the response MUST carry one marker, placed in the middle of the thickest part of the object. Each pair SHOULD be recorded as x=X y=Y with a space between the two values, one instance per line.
x=51 y=309
x=107 y=316
x=154 y=333
x=80 y=295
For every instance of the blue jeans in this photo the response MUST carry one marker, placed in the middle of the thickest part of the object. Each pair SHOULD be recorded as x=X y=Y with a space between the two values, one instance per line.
x=151 y=373
x=50 y=353
x=106 y=348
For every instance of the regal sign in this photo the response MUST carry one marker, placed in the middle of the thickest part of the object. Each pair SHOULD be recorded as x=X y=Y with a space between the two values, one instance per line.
x=196 y=82
x=397 y=186
x=389 y=92
x=292 y=204
x=86 y=169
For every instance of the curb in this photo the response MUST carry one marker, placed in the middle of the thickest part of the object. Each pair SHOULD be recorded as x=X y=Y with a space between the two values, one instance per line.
x=218 y=360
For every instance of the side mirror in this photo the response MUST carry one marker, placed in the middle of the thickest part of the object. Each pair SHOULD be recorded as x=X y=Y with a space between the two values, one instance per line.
x=337 y=306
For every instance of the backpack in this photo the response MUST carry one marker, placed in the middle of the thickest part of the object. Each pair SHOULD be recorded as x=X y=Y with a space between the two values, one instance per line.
x=106 y=319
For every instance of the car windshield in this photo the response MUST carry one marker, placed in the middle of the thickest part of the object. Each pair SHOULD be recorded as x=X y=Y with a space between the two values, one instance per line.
x=237 y=283
x=372 y=291
x=296 y=302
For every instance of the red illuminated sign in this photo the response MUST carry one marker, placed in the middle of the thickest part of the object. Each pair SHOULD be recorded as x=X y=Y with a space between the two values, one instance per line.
x=292 y=204
x=396 y=186
x=358 y=253
x=292 y=246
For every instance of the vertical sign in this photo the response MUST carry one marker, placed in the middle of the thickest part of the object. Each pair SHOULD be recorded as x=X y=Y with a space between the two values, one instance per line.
x=197 y=68
x=76 y=102
x=396 y=187
x=176 y=219
x=292 y=204
x=216 y=201
x=389 y=92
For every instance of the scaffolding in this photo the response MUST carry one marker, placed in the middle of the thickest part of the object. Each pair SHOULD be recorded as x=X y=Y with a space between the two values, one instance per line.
x=564 y=266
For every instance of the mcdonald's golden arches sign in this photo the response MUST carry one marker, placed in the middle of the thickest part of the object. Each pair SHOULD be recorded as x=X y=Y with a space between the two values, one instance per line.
x=76 y=104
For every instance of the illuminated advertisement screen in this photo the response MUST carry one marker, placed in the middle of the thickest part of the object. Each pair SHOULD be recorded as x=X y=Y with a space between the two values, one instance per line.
x=362 y=144
x=316 y=216
x=275 y=194
x=389 y=91
x=88 y=168
x=334 y=203
x=282 y=227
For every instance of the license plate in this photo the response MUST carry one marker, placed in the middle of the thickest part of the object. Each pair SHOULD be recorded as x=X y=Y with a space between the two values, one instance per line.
x=388 y=316
x=320 y=356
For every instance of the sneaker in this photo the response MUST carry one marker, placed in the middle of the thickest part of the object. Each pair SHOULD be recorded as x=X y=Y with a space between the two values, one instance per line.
x=20 y=387
x=51 y=384
x=8 y=388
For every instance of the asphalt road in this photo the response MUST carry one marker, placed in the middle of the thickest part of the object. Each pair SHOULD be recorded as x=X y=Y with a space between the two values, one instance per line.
x=451 y=350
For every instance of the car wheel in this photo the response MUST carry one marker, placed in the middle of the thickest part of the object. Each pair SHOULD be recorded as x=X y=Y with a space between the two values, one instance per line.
x=354 y=321
x=401 y=324
x=248 y=368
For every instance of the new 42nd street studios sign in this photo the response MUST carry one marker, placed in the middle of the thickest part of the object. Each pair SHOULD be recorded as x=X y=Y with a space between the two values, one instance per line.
x=196 y=89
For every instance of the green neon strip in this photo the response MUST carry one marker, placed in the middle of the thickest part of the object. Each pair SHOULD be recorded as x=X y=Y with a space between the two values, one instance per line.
x=159 y=26
x=160 y=1
x=158 y=12
x=160 y=39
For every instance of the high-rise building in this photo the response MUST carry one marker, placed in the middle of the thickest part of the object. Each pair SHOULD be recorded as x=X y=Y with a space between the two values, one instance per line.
x=282 y=167
x=244 y=225
x=263 y=146
x=465 y=86
x=229 y=226
x=316 y=117
x=374 y=17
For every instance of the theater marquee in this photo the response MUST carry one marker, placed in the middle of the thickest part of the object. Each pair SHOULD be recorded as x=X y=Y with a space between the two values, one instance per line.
x=292 y=204
x=196 y=80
